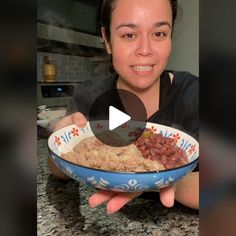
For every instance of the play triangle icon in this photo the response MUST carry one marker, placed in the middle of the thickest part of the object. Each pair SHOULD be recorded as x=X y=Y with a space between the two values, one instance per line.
x=117 y=118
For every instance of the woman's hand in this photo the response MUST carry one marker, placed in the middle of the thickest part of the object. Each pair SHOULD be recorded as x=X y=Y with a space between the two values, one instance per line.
x=185 y=191
x=77 y=119
x=115 y=201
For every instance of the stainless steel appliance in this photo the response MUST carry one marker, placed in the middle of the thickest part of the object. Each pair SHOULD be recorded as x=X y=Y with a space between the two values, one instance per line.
x=71 y=22
x=54 y=94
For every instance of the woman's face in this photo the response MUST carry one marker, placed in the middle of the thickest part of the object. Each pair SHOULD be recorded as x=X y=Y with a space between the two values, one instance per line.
x=140 y=40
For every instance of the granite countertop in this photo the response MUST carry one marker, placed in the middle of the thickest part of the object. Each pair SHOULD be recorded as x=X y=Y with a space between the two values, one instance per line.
x=63 y=211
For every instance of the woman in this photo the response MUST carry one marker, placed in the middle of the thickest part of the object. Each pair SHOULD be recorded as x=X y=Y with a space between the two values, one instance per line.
x=138 y=33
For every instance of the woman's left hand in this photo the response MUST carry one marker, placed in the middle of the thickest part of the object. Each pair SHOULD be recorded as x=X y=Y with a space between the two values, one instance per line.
x=115 y=201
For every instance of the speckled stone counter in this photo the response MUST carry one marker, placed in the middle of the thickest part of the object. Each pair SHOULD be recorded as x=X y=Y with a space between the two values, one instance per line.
x=63 y=211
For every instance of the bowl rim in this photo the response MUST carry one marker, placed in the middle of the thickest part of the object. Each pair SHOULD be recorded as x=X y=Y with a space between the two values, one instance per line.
x=123 y=172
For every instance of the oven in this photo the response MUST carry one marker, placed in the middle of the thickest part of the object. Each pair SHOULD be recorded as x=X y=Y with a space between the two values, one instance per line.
x=56 y=94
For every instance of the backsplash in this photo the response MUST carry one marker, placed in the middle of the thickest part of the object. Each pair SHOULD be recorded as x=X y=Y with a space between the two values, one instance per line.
x=68 y=68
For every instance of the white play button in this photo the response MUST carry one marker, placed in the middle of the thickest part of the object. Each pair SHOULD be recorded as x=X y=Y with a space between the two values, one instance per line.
x=117 y=118
x=113 y=123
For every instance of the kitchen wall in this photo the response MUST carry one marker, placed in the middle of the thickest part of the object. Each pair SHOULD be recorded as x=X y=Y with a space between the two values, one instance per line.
x=185 y=47
x=69 y=68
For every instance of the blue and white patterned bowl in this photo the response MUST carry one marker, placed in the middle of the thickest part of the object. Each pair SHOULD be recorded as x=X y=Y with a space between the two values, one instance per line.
x=64 y=139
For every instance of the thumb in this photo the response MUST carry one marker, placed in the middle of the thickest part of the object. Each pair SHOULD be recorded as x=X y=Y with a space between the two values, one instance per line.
x=167 y=196
x=79 y=119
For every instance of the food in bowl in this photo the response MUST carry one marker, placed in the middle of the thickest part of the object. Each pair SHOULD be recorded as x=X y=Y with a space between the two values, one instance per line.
x=91 y=152
x=150 y=152
x=162 y=149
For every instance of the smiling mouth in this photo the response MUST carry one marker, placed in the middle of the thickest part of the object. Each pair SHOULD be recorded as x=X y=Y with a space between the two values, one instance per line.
x=143 y=68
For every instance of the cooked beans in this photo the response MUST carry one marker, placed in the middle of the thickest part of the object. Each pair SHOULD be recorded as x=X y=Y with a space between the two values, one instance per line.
x=162 y=149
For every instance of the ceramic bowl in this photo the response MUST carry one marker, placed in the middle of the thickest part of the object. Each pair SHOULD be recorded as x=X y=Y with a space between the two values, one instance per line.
x=64 y=139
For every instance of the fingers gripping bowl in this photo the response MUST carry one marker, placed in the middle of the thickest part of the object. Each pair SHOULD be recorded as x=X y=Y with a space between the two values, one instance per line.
x=63 y=141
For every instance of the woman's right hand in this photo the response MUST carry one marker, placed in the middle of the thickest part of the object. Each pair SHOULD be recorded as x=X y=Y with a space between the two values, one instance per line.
x=76 y=118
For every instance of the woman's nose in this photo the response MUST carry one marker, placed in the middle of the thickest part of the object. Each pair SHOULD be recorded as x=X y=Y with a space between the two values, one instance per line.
x=144 y=47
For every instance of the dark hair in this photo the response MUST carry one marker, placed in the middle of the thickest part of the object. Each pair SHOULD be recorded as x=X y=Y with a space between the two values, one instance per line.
x=109 y=5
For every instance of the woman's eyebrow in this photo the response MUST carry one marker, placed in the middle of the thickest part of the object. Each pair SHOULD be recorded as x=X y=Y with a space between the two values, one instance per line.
x=157 y=24
x=130 y=25
x=161 y=23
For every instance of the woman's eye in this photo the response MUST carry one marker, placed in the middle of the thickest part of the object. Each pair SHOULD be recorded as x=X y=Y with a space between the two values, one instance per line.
x=160 y=35
x=128 y=36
